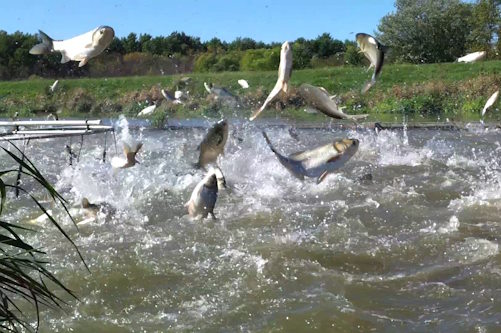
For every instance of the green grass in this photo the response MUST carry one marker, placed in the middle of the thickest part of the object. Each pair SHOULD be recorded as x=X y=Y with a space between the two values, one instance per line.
x=452 y=90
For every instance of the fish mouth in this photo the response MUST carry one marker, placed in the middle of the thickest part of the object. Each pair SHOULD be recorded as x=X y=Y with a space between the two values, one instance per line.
x=105 y=33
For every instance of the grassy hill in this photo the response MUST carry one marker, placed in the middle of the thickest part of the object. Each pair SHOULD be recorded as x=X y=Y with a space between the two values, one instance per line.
x=452 y=90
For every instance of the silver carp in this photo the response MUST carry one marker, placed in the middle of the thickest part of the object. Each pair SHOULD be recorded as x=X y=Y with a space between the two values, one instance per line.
x=213 y=144
x=284 y=75
x=317 y=162
x=81 y=48
x=320 y=99
x=374 y=51
x=204 y=196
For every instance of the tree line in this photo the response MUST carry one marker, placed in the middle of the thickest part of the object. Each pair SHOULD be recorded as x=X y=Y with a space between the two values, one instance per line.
x=417 y=31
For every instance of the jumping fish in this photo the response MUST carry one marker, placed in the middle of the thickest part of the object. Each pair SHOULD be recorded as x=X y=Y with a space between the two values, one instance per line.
x=81 y=48
x=90 y=208
x=490 y=102
x=219 y=92
x=374 y=51
x=213 y=143
x=204 y=196
x=130 y=157
x=54 y=86
x=168 y=96
x=317 y=162
x=243 y=83
x=472 y=57
x=284 y=75
x=178 y=94
x=147 y=110
x=320 y=99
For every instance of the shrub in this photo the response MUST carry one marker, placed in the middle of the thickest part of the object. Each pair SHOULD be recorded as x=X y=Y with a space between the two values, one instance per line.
x=260 y=60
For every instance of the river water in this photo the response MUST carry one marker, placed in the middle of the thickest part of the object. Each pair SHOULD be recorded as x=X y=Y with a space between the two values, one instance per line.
x=404 y=238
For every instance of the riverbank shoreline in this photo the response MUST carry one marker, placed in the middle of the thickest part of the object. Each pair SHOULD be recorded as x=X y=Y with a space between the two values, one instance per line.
x=438 y=92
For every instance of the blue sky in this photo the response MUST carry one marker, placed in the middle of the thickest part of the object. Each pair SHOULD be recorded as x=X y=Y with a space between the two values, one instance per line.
x=263 y=20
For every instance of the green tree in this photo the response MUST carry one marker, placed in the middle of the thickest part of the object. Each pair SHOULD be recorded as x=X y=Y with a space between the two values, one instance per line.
x=324 y=46
x=131 y=44
x=303 y=52
x=242 y=44
x=352 y=55
x=260 y=60
x=485 y=22
x=427 y=30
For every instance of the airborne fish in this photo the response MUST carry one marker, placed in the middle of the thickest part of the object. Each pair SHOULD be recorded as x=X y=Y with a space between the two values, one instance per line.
x=130 y=157
x=472 y=57
x=168 y=96
x=80 y=48
x=243 y=83
x=54 y=86
x=374 y=51
x=320 y=99
x=490 y=102
x=213 y=143
x=317 y=162
x=284 y=75
x=147 y=110
x=204 y=196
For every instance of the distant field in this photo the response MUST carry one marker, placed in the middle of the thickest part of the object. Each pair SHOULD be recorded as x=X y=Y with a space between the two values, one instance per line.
x=453 y=90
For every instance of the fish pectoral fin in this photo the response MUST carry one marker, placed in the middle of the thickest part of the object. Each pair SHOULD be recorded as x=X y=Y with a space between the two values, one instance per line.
x=322 y=176
x=296 y=154
x=83 y=62
x=335 y=158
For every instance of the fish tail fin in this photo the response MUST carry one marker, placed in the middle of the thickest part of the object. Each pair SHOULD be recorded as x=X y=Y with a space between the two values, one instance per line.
x=369 y=85
x=268 y=141
x=256 y=113
x=45 y=47
x=207 y=87
x=138 y=146
x=274 y=92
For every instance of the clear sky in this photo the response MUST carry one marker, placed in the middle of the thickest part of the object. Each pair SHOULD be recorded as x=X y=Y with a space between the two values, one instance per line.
x=263 y=20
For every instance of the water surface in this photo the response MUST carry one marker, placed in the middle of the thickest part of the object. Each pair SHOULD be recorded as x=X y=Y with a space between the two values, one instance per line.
x=403 y=239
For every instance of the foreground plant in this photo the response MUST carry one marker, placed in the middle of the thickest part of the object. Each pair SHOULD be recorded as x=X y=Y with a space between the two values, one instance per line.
x=23 y=275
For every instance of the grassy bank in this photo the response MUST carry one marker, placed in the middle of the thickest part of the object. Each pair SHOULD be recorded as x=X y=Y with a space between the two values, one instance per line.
x=456 y=91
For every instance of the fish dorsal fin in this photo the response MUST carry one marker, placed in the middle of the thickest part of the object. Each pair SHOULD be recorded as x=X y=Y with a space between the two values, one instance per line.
x=322 y=176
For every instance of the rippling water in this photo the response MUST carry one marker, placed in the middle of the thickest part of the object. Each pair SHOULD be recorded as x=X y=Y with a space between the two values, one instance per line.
x=415 y=247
